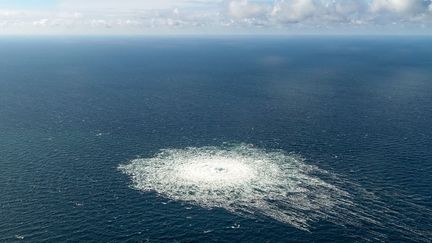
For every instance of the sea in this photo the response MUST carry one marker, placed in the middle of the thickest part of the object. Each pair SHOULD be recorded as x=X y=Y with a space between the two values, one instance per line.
x=92 y=130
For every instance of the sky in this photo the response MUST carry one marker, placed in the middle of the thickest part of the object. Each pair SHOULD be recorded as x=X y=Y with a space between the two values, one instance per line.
x=214 y=17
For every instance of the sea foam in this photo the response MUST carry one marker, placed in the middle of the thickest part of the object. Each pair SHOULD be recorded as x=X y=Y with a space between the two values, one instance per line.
x=242 y=179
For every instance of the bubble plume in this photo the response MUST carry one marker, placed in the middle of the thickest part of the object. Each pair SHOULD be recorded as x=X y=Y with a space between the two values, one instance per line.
x=242 y=179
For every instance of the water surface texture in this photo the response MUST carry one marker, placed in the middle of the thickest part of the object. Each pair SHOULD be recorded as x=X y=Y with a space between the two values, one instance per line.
x=216 y=139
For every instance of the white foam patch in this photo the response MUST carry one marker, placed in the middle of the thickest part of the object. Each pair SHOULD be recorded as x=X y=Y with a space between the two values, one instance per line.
x=242 y=179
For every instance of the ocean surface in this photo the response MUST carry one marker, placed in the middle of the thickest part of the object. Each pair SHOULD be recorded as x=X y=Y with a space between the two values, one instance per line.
x=91 y=129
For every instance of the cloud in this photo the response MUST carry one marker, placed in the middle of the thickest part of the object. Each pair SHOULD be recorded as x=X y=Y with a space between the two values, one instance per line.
x=245 y=9
x=405 y=7
x=122 y=5
x=41 y=22
x=217 y=16
x=294 y=10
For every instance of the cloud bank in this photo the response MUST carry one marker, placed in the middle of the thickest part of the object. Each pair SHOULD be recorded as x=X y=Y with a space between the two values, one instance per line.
x=218 y=16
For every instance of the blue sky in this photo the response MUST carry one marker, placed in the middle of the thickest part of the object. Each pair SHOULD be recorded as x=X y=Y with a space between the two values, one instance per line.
x=28 y=4
x=146 y=17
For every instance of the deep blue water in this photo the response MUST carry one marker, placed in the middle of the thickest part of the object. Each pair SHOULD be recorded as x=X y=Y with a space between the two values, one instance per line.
x=72 y=109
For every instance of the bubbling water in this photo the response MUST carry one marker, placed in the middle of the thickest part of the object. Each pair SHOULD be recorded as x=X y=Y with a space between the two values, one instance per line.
x=242 y=179
x=216 y=171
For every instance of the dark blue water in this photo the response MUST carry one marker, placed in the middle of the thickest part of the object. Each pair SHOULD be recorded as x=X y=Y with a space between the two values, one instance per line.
x=73 y=109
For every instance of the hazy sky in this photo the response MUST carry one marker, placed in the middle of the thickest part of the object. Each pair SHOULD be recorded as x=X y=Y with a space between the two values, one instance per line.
x=85 y=17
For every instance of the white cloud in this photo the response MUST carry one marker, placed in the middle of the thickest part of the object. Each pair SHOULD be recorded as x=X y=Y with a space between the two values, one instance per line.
x=207 y=16
x=400 y=6
x=8 y=13
x=294 y=10
x=122 y=5
x=41 y=22
x=245 y=9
